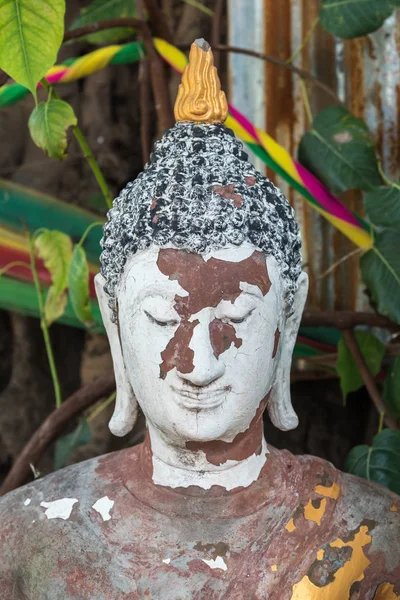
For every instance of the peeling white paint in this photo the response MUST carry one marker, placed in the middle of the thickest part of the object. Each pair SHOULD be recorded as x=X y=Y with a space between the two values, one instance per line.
x=59 y=509
x=27 y=502
x=166 y=561
x=218 y=563
x=230 y=475
x=103 y=507
x=218 y=399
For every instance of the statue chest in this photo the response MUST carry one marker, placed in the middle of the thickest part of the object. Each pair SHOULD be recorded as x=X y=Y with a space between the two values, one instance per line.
x=145 y=554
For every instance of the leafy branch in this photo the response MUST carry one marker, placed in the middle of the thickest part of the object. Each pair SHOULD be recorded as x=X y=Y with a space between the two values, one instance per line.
x=44 y=325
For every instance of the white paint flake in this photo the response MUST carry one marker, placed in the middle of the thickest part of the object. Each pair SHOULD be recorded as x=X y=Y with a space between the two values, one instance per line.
x=59 y=509
x=166 y=561
x=218 y=563
x=27 y=502
x=103 y=507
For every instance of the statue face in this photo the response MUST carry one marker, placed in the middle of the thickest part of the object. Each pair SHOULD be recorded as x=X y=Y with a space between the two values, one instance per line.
x=200 y=338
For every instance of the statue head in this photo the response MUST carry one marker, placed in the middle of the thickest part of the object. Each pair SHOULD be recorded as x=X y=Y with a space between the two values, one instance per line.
x=201 y=289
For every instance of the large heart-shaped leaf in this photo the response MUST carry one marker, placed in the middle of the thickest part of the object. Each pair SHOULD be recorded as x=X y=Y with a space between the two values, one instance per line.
x=48 y=125
x=339 y=150
x=373 y=352
x=380 y=270
x=55 y=249
x=31 y=32
x=102 y=10
x=382 y=206
x=354 y=18
x=391 y=389
x=66 y=445
x=78 y=278
x=379 y=462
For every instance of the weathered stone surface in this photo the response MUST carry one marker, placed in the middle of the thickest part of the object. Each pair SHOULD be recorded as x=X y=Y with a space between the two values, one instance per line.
x=186 y=544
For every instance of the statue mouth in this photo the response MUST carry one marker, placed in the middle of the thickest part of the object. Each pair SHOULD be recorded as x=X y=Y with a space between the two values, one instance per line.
x=201 y=398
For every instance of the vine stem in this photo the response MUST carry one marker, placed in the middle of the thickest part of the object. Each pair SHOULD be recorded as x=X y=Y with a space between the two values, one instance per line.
x=200 y=6
x=100 y=408
x=304 y=43
x=306 y=101
x=86 y=150
x=369 y=381
x=340 y=261
x=43 y=325
x=386 y=178
x=87 y=153
x=88 y=230
x=14 y=263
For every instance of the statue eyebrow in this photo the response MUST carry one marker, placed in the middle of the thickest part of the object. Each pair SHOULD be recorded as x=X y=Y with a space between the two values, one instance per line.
x=256 y=292
x=163 y=289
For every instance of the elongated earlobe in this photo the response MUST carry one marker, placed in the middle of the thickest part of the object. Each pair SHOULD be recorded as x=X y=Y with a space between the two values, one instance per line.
x=126 y=407
x=280 y=407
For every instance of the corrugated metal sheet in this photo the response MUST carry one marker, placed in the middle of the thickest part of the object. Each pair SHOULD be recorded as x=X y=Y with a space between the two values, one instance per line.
x=364 y=73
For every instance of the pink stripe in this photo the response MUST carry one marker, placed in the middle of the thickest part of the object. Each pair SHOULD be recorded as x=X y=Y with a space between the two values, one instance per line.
x=55 y=77
x=327 y=200
x=244 y=122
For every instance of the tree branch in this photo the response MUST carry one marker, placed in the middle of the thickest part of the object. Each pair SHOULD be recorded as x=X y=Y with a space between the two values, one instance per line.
x=159 y=82
x=346 y=319
x=158 y=20
x=53 y=427
x=280 y=63
x=144 y=98
x=369 y=381
x=216 y=28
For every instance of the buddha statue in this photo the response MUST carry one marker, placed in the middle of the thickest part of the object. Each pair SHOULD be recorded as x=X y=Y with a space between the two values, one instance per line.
x=201 y=292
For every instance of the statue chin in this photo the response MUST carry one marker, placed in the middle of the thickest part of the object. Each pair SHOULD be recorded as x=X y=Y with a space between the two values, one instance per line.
x=202 y=324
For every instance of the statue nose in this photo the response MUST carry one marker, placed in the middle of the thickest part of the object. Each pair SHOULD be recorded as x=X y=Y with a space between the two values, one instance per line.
x=207 y=367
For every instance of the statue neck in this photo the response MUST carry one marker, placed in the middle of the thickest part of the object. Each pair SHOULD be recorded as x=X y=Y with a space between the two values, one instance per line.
x=228 y=465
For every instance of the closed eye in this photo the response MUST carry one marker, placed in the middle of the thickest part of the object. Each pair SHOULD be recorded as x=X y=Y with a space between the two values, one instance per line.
x=237 y=320
x=161 y=322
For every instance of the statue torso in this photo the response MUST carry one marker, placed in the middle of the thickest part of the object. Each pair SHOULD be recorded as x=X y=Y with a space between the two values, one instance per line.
x=303 y=531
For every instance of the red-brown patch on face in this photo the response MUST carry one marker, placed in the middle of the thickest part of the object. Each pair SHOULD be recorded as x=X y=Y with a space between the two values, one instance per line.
x=250 y=180
x=179 y=346
x=228 y=192
x=155 y=219
x=242 y=446
x=222 y=336
x=276 y=342
x=153 y=204
x=207 y=283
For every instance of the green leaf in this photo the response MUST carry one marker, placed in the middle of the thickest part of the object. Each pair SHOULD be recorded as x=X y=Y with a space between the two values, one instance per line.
x=354 y=18
x=55 y=249
x=380 y=270
x=373 y=352
x=101 y=10
x=340 y=152
x=66 y=444
x=31 y=33
x=48 y=125
x=78 y=284
x=382 y=206
x=391 y=389
x=379 y=462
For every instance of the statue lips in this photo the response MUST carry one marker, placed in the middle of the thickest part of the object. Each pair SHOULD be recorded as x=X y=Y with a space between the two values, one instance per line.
x=201 y=398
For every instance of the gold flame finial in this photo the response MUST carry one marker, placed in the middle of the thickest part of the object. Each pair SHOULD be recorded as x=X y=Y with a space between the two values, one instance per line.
x=200 y=97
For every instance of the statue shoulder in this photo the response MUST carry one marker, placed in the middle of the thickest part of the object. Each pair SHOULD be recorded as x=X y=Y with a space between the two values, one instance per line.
x=80 y=496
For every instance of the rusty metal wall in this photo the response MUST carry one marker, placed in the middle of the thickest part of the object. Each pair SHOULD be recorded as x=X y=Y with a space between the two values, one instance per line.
x=365 y=75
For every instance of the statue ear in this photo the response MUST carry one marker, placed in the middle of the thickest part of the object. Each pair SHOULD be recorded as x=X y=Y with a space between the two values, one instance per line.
x=280 y=407
x=126 y=408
